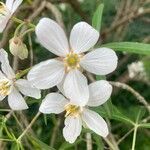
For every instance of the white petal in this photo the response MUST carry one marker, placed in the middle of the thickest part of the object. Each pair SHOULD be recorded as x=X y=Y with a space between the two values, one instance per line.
x=100 y=61
x=100 y=92
x=53 y=103
x=2 y=76
x=76 y=88
x=52 y=37
x=3 y=22
x=46 y=74
x=83 y=37
x=2 y=97
x=27 y=89
x=72 y=129
x=5 y=64
x=60 y=86
x=95 y=122
x=12 y=5
x=16 y=101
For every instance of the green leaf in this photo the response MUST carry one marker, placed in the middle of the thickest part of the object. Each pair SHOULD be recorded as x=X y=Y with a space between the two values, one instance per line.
x=39 y=143
x=100 y=77
x=99 y=142
x=97 y=17
x=67 y=145
x=145 y=125
x=116 y=114
x=131 y=47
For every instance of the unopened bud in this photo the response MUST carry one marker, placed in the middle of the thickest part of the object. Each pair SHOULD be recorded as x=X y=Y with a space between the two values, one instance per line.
x=18 y=48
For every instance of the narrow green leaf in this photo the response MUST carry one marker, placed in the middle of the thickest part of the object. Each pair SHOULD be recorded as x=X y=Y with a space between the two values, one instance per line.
x=145 y=125
x=99 y=142
x=97 y=17
x=116 y=114
x=39 y=143
x=131 y=47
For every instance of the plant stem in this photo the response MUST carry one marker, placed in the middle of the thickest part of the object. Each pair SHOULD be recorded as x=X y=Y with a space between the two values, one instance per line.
x=134 y=137
x=29 y=126
x=21 y=22
x=22 y=73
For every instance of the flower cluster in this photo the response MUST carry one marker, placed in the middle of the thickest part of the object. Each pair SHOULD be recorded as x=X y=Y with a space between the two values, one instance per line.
x=67 y=72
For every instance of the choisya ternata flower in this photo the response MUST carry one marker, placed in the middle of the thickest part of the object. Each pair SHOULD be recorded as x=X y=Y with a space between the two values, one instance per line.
x=6 y=11
x=78 y=116
x=72 y=60
x=11 y=87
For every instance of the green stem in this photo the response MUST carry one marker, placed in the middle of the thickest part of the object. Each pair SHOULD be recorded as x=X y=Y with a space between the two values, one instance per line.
x=22 y=73
x=134 y=137
x=27 y=31
x=20 y=22
x=29 y=126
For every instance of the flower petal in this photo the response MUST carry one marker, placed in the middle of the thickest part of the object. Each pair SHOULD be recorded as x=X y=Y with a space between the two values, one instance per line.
x=100 y=92
x=52 y=37
x=95 y=122
x=60 y=85
x=12 y=5
x=16 y=101
x=53 y=103
x=72 y=129
x=2 y=97
x=100 y=61
x=3 y=22
x=46 y=74
x=27 y=89
x=76 y=88
x=5 y=64
x=83 y=37
x=2 y=76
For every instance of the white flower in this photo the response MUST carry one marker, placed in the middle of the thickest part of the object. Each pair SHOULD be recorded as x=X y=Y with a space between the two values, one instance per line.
x=71 y=59
x=6 y=11
x=11 y=87
x=78 y=116
x=136 y=70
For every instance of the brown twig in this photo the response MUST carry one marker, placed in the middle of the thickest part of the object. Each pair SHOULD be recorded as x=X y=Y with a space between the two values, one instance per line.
x=131 y=16
x=57 y=14
x=140 y=98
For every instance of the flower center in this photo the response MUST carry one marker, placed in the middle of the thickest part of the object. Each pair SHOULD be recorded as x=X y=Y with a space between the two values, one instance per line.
x=72 y=110
x=3 y=9
x=5 y=87
x=72 y=60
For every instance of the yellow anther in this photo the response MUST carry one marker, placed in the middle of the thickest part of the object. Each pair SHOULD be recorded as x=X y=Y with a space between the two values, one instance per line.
x=5 y=86
x=72 y=61
x=3 y=9
x=72 y=110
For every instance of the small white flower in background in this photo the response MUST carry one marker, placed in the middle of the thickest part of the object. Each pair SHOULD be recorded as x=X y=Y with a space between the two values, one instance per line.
x=66 y=69
x=136 y=70
x=11 y=87
x=6 y=12
x=18 y=48
x=78 y=116
x=62 y=6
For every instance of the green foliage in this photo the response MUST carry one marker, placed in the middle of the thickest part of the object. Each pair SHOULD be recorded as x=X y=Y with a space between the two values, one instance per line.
x=97 y=17
x=130 y=47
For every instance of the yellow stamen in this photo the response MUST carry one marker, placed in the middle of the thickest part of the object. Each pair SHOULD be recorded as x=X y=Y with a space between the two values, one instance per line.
x=72 y=60
x=3 y=9
x=5 y=86
x=72 y=110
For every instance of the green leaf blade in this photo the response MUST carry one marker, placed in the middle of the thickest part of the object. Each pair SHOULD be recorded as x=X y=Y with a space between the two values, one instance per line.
x=97 y=17
x=131 y=47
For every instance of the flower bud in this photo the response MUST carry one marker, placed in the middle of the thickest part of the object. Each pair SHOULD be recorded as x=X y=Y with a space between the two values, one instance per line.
x=18 y=48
